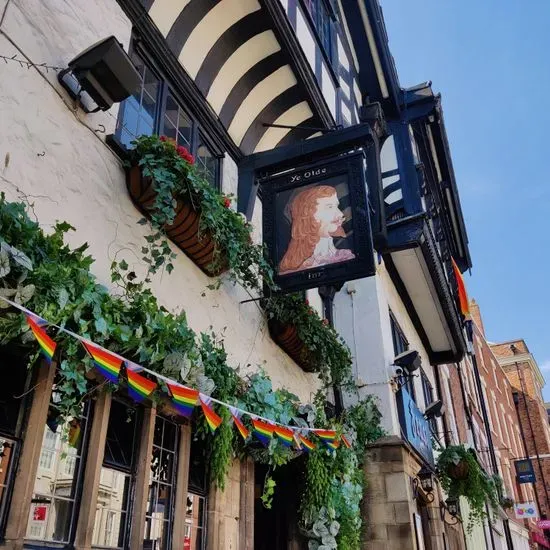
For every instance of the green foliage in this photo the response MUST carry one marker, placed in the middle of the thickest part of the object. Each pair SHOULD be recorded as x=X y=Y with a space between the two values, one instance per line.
x=173 y=176
x=477 y=487
x=326 y=351
x=133 y=324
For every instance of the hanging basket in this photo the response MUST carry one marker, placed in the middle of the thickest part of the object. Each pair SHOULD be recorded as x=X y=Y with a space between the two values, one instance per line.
x=286 y=336
x=184 y=232
x=458 y=471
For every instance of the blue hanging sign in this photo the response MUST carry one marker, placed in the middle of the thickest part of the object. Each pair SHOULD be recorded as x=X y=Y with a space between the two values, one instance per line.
x=524 y=471
x=415 y=427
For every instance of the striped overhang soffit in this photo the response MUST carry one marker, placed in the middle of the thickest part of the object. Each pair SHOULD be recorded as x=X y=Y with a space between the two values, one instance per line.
x=230 y=49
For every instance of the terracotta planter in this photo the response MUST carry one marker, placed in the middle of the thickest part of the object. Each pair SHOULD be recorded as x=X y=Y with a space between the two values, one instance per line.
x=184 y=232
x=458 y=471
x=286 y=336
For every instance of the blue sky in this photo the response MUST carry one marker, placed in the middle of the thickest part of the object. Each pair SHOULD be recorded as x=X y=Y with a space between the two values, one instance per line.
x=490 y=61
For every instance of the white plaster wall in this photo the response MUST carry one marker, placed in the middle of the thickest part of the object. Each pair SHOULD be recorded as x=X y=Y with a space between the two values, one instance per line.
x=78 y=179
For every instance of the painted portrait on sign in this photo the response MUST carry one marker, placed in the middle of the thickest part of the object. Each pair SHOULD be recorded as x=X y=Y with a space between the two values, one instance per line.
x=316 y=227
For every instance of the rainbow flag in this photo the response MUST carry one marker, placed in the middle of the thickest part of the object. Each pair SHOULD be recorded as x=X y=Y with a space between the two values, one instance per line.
x=106 y=363
x=213 y=420
x=325 y=435
x=47 y=345
x=462 y=294
x=263 y=431
x=285 y=435
x=185 y=399
x=333 y=445
x=306 y=444
x=139 y=387
x=238 y=422
x=345 y=441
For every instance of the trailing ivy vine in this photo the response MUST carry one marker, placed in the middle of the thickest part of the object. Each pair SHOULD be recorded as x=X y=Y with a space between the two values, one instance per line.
x=56 y=282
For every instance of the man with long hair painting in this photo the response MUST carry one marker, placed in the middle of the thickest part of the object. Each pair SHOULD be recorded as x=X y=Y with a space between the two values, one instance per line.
x=316 y=218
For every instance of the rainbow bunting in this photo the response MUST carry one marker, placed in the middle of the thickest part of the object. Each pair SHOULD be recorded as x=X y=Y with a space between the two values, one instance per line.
x=333 y=445
x=106 y=363
x=139 y=387
x=263 y=431
x=306 y=444
x=213 y=419
x=47 y=345
x=345 y=441
x=325 y=435
x=238 y=422
x=185 y=399
x=285 y=435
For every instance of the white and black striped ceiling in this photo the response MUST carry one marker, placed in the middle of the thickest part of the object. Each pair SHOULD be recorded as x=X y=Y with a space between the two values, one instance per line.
x=231 y=50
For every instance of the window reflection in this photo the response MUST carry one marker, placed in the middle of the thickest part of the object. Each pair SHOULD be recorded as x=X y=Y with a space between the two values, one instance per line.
x=52 y=514
x=158 y=521
x=194 y=522
x=113 y=502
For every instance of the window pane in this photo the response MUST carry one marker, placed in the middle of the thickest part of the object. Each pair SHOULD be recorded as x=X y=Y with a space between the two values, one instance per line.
x=119 y=445
x=112 y=509
x=207 y=163
x=137 y=113
x=177 y=124
x=158 y=524
x=194 y=520
x=57 y=478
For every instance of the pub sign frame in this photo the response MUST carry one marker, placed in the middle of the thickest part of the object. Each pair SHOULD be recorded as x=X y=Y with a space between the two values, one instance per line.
x=316 y=223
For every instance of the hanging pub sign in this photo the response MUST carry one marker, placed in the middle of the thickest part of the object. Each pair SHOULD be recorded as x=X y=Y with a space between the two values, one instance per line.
x=524 y=471
x=316 y=223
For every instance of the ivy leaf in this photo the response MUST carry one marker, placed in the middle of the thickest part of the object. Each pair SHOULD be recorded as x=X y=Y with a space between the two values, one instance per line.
x=123 y=265
x=62 y=298
x=174 y=362
x=21 y=258
x=334 y=528
x=4 y=263
x=24 y=294
x=205 y=385
x=101 y=326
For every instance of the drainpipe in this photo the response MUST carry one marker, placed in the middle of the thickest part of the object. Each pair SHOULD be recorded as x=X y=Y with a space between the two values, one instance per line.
x=513 y=348
x=492 y=454
x=327 y=294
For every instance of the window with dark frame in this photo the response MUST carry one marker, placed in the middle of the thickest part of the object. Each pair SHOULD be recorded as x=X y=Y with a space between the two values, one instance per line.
x=428 y=391
x=321 y=15
x=154 y=108
x=162 y=485
x=58 y=483
x=401 y=344
x=12 y=413
x=195 y=516
x=113 y=507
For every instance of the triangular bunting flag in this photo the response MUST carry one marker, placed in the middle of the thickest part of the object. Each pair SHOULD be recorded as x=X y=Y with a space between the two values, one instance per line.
x=105 y=362
x=243 y=430
x=345 y=441
x=47 y=345
x=263 y=431
x=306 y=444
x=333 y=445
x=139 y=387
x=185 y=399
x=213 y=420
x=325 y=435
x=285 y=435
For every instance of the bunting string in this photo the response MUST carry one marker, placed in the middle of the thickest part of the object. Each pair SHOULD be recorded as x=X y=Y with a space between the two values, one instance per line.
x=184 y=399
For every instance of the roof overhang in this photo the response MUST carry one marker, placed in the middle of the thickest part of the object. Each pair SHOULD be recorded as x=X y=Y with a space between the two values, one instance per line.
x=244 y=59
x=416 y=270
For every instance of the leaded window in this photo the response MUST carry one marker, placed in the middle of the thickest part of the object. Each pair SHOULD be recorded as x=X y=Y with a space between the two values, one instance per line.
x=113 y=508
x=321 y=16
x=53 y=513
x=155 y=108
x=162 y=485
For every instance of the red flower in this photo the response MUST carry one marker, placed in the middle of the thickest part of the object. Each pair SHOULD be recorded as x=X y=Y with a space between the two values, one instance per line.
x=325 y=322
x=185 y=154
x=163 y=138
x=227 y=202
x=307 y=302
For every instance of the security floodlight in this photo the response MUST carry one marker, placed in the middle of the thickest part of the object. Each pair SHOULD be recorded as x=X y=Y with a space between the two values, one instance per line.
x=408 y=360
x=104 y=71
x=435 y=409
